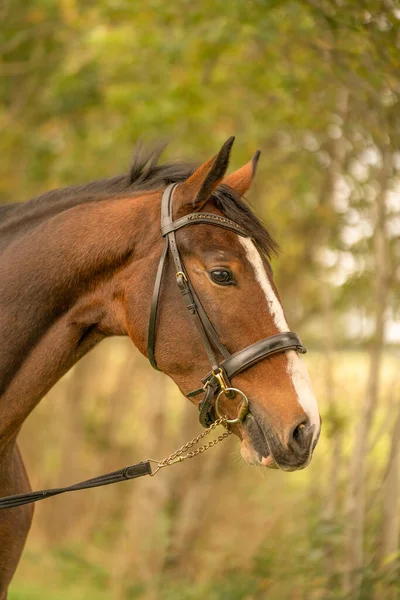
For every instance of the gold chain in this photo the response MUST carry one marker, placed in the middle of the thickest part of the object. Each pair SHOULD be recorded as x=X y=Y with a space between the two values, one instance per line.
x=179 y=455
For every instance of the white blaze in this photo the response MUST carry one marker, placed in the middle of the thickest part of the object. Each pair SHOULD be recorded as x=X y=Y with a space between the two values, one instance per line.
x=297 y=370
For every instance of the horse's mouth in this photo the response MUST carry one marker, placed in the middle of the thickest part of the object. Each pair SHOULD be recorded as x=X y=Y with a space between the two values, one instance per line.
x=262 y=446
x=260 y=452
x=269 y=462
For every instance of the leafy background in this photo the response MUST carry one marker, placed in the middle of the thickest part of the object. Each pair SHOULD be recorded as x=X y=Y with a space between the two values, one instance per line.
x=315 y=85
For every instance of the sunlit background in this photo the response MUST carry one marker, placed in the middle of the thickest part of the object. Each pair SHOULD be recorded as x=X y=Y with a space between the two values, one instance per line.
x=314 y=84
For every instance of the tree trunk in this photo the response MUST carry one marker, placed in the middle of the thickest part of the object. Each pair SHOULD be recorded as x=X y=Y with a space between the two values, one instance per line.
x=328 y=195
x=355 y=509
x=390 y=528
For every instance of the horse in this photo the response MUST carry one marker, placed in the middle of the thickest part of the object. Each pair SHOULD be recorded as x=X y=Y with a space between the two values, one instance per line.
x=79 y=264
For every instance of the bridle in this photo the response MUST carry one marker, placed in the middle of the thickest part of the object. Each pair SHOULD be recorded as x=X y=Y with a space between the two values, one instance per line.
x=217 y=382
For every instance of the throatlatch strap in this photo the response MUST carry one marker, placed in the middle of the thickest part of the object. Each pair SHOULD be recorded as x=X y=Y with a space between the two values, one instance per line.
x=130 y=472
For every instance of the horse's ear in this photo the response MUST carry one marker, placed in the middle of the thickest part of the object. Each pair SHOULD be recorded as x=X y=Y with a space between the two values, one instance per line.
x=241 y=180
x=197 y=189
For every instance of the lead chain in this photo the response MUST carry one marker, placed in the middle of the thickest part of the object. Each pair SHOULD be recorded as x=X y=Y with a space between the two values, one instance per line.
x=179 y=455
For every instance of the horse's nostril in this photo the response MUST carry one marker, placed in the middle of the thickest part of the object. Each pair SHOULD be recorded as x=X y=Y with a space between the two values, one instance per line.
x=300 y=432
x=297 y=432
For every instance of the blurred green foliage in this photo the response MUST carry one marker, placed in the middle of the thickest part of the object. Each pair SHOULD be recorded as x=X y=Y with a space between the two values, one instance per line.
x=81 y=82
x=315 y=85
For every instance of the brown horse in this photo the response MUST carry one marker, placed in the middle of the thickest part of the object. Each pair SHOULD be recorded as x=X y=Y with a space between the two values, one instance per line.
x=79 y=264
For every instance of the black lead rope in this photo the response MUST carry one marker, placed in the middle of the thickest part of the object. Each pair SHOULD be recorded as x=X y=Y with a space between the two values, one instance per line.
x=130 y=472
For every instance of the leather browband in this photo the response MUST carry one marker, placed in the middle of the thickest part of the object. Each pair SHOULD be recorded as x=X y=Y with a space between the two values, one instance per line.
x=208 y=218
x=231 y=364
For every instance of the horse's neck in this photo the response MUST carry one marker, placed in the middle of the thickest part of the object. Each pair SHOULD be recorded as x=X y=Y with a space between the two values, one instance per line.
x=17 y=219
x=57 y=295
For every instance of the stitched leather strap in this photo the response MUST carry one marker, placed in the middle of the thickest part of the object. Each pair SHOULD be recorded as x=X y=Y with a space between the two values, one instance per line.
x=265 y=348
x=249 y=356
x=207 y=218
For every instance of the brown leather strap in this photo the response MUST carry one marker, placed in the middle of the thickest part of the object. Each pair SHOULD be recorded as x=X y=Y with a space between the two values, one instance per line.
x=183 y=285
x=243 y=359
x=203 y=218
x=249 y=356
x=151 y=338
x=213 y=335
x=206 y=330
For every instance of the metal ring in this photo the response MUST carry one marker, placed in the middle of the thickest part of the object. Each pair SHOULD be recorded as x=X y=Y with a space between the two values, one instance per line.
x=244 y=409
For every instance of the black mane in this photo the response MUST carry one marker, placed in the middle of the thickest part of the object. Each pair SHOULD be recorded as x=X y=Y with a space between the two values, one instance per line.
x=145 y=175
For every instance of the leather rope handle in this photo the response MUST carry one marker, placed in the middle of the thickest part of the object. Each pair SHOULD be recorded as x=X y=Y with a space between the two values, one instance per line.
x=130 y=472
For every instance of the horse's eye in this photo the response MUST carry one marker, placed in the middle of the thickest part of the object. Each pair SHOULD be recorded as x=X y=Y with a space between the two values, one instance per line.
x=222 y=276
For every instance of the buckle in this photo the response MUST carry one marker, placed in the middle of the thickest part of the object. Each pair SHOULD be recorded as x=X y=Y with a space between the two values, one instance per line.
x=181 y=274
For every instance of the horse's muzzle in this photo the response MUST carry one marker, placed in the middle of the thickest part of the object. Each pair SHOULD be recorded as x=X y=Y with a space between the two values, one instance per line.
x=291 y=454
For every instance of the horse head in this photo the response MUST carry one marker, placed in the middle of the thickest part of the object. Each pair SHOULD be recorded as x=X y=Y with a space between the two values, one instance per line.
x=226 y=271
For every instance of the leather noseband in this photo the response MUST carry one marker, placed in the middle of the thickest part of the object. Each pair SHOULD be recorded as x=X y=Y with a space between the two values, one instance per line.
x=218 y=380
